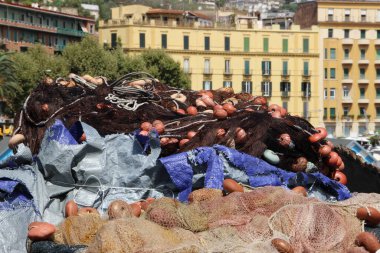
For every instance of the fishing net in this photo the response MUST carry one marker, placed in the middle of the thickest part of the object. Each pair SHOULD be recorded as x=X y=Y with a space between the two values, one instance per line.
x=238 y=222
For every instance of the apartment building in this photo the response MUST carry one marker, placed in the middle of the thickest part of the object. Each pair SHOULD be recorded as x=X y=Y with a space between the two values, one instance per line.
x=282 y=65
x=350 y=63
x=22 y=26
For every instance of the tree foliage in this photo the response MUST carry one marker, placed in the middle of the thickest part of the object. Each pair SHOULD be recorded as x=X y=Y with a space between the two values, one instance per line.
x=87 y=57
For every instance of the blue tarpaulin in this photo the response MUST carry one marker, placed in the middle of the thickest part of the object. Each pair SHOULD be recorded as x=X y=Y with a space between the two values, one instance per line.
x=209 y=166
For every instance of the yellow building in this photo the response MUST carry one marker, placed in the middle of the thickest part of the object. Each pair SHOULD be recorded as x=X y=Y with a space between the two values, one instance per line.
x=281 y=64
x=350 y=57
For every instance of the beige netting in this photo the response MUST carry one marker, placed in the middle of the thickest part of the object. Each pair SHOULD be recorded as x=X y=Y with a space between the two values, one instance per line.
x=239 y=222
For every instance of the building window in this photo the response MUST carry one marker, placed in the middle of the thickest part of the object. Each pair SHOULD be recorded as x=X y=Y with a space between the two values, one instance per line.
x=186 y=42
x=285 y=70
x=378 y=54
x=378 y=15
x=285 y=105
x=266 y=89
x=186 y=65
x=378 y=34
x=31 y=19
x=164 y=41
x=227 y=84
x=207 y=85
x=345 y=111
x=227 y=66
x=306 y=89
x=332 y=93
x=377 y=92
x=346 y=53
x=226 y=43
x=346 y=92
x=306 y=68
x=330 y=13
x=363 y=15
x=362 y=73
x=362 y=54
x=326 y=74
x=266 y=67
x=247 y=70
x=347 y=13
x=330 y=33
x=285 y=87
x=325 y=113
x=377 y=112
x=346 y=33
x=332 y=73
x=306 y=110
x=266 y=45
x=362 y=92
x=207 y=43
x=284 y=45
x=246 y=44
x=362 y=34
x=22 y=18
x=332 y=113
x=332 y=53
x=362 y=111
x=346 y=73
x=326 y=54
x=207 y=69
x=377 y=74
x=142 y=40
x=306 y=45
x=325 y=93
x=246 y=87
x=113 y=40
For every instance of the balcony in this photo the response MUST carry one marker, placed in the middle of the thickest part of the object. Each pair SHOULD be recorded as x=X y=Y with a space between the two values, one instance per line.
x=306 y=94
x=266 y=73
x=306 y=73
x=70 y=32
x=247 y=72
x=363 y=62
x=363 y=100
x=227 y=72
x=26 y=25
x=347 y=62
x=266 y=94
x=207 y=72
x=347 y=80
x=377 y=42
x=347 y=118
x=347 y=42
x=187 y=71
x=347 y=100
x=285 y=94
x=363 y=42
x=363 y=81
x=362 y=117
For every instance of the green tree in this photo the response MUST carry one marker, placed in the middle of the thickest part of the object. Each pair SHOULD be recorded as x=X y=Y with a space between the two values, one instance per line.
x=8 y=85
x=162 y=66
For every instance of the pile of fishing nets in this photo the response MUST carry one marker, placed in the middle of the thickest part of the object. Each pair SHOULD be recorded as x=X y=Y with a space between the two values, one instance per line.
x=184 y=119
x=267 y=219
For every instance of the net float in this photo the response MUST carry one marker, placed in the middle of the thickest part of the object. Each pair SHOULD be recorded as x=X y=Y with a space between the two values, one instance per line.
x=271 y=157
x=181 y=111
x=45 y=107
x=159 y=126
x=183 y=142
x=144 y=133
x=341 y=167
x=340 y=177
x=230 y=185
x=300 y=164
x=259 y=101
x=207 y=93
x=87 y=210
x=369 y=214
x=324 y=150
x=71 y=208
x=192 y=110
x=136 y=209
x=274 y=108
x=240 y=135
x=283 y=112
x=119 y=209
x=146 y=126
x=191 y=134
x=199 y=103
x=285 y=140
x=300 y=190
x=229 y=108
x=164 y=141
x=220 y=114
x=282 y=246
x=40 y=231
x=179 y=97
x=369 y=241
x=332 y=159
x=208 y=101
x=15 y=140
x=146 y=203
x=220 y=133
x=276 y=114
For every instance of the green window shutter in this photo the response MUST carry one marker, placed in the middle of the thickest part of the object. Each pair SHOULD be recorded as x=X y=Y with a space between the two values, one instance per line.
x=246 y=67
x=186 y=42
x=285 y=68
x=164 y=41
x=142 y=40
x=207 y=43
x=246 y=44
x=284 y=45
x=266 y=44
x=306 y=68
x=306 y=45
x=226 y=43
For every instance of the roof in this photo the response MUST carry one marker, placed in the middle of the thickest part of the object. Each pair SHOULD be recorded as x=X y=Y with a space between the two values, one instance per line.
x=176 y=12
x=90 y=7
x=25 y=7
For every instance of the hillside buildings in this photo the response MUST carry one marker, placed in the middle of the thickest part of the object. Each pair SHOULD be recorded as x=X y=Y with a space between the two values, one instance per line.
x=22 y=26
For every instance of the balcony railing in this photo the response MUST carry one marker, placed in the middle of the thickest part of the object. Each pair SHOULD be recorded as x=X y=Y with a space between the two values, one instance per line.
x=71 y=32
x=306 y=94
x=227 y=72
x=187 y=70
x=27 y=25
x=285 y=94
x=207 y=71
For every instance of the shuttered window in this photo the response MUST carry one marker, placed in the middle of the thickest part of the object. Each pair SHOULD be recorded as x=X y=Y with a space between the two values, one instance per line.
x=246 y=44
x=142 y=40
x=186 y=42
x=266 y=44
x=306 y=45
x=284 y=45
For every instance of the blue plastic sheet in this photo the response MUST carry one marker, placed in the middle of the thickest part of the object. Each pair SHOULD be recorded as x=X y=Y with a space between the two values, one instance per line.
x=14 y=194
x=213 y=164
x=58 y=132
